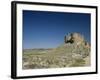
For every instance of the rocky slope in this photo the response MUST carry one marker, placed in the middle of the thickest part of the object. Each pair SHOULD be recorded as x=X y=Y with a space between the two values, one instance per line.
x=75 y=52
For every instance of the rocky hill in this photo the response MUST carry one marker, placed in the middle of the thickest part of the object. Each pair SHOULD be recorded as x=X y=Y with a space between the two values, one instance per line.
x=75 y=52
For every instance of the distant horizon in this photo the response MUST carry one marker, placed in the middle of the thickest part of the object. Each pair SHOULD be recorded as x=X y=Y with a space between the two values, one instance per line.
x=46 y=30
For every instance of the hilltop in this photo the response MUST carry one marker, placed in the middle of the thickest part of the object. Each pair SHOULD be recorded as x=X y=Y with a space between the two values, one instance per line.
x=74 y=52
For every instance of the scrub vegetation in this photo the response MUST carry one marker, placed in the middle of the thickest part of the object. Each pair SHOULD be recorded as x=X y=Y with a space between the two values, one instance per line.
x=74 y=52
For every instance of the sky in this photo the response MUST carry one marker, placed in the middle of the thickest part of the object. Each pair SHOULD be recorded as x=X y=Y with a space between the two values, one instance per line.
x=43 y=29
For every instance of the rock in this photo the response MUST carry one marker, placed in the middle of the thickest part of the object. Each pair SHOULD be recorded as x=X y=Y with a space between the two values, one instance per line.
x=74 y=38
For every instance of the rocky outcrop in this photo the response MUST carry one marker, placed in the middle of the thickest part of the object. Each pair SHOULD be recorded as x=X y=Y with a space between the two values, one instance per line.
x=76 y=39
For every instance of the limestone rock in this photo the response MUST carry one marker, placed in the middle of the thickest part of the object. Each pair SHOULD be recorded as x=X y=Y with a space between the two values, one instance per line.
x=74 y=38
